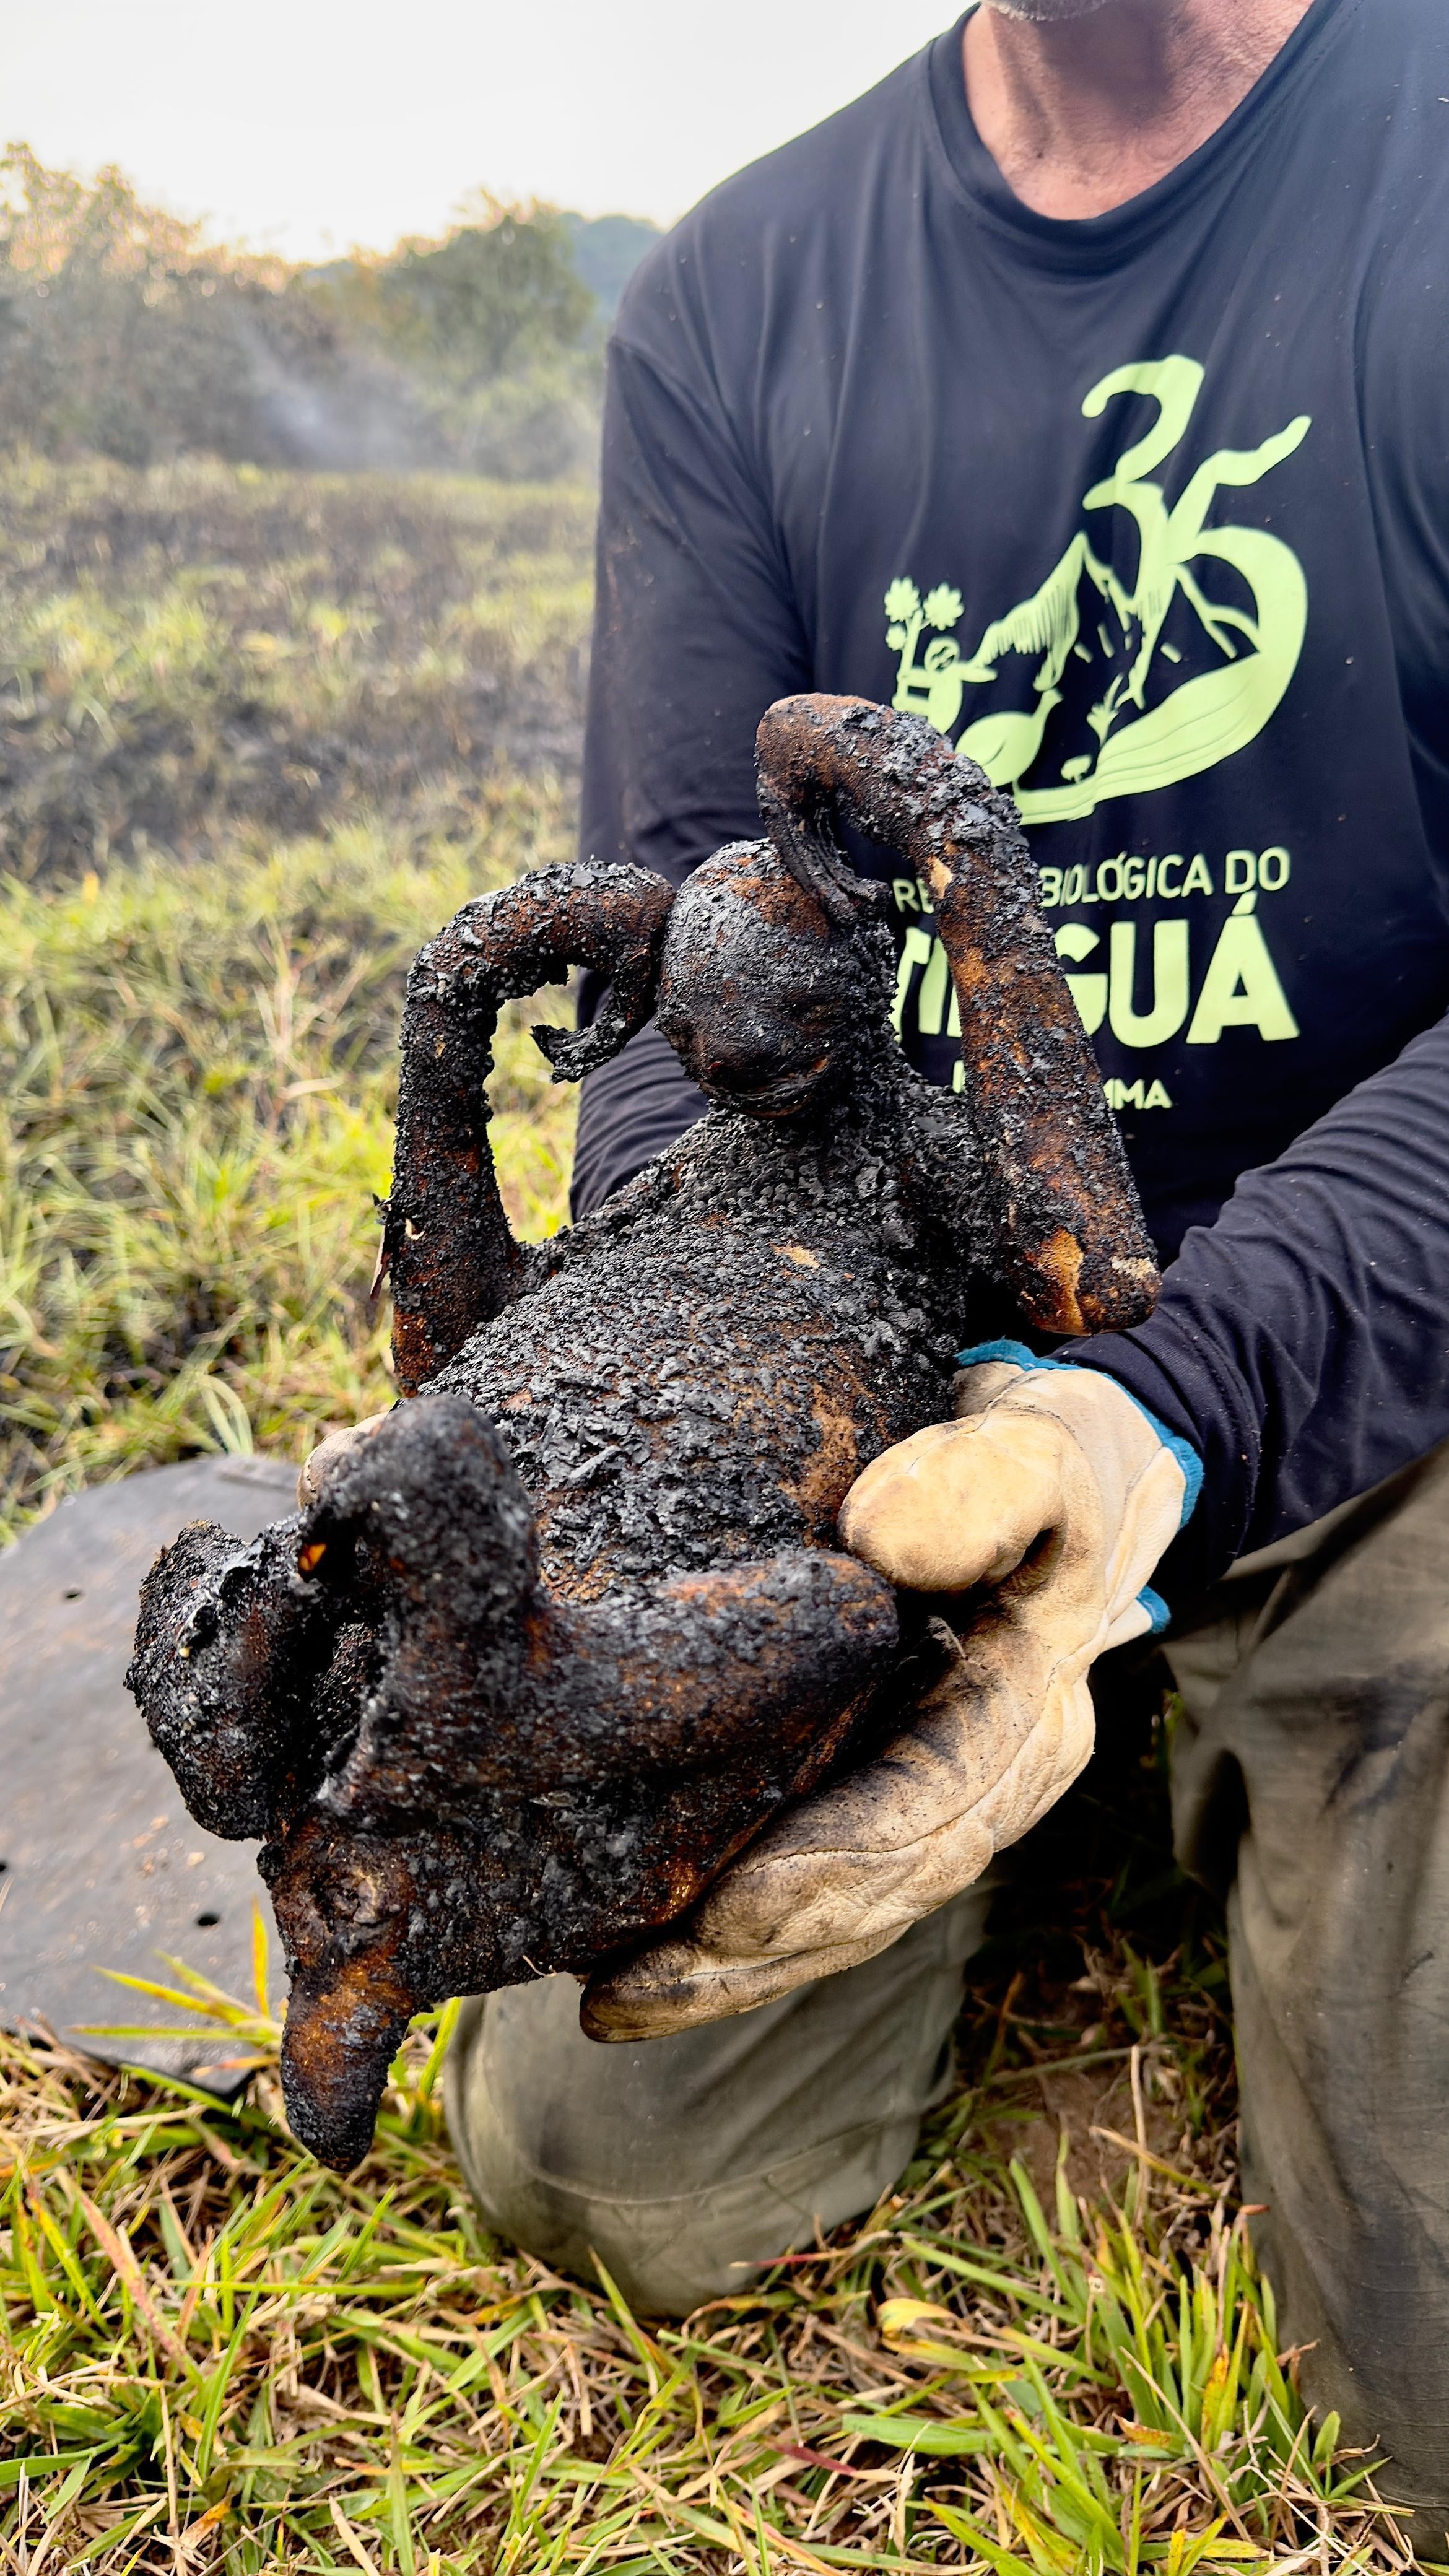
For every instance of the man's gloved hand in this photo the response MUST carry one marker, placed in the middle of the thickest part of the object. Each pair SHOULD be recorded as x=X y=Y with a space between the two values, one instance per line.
x=1059 y=1492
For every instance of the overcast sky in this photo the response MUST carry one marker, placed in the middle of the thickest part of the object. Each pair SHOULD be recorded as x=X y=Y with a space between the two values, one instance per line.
x=308 y=125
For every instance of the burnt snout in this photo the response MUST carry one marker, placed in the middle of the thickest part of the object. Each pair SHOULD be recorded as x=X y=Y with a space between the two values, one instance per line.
x=766 y=1068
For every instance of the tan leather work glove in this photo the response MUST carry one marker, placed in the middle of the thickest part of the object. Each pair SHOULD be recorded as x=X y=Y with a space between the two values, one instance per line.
x=1058 y=1490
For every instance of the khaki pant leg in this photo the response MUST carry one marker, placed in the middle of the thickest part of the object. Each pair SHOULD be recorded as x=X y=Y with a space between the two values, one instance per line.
x=690 y=2163
x=1311 y=1780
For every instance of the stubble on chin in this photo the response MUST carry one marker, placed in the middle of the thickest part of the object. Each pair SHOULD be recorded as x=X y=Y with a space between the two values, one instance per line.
x=1046 y=13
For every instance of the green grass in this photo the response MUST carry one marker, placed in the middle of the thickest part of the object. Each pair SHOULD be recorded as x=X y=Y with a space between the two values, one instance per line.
x=199 y=1087
x=349 y=704
x=1049 y=2348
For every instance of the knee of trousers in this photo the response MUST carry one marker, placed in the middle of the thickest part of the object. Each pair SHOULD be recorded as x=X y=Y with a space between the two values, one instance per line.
x=1341 y=2166
x=687 y=2165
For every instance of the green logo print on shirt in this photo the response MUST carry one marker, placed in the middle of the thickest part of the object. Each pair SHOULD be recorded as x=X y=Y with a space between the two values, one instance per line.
x=1150 y=729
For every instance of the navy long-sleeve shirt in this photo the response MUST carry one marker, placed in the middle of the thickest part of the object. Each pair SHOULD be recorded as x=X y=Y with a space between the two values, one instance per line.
x=1302 y=1342
x=1149 y=514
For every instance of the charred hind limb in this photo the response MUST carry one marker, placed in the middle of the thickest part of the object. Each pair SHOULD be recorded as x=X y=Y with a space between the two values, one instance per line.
x=343 y=1907
x=230 y=1649
x=485 y=1682
x=1073 y=1242
x=382 y=1919
x=447 y=1241
x=426 y=1531
x=636 y=1742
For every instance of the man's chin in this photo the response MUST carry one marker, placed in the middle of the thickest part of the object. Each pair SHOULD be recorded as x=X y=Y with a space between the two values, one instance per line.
x=1046 y=13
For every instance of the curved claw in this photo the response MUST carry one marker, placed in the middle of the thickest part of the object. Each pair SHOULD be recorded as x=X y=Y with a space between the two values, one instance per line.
x=572 y=1053
x=634 y=919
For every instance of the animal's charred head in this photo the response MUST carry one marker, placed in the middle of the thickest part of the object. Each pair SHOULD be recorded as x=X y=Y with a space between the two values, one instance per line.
x=770 y=1004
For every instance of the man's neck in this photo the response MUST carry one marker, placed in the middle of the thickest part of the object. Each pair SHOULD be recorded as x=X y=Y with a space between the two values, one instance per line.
x=1083 y=114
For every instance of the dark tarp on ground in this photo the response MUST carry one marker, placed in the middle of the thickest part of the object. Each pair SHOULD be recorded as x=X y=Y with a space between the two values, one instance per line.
x=103 y=1867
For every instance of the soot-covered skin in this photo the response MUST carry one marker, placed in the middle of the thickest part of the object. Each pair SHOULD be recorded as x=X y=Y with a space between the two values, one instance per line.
x=555 y=1642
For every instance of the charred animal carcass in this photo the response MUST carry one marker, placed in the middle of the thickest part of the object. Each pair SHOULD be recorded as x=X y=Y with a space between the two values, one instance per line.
x=564 y=1633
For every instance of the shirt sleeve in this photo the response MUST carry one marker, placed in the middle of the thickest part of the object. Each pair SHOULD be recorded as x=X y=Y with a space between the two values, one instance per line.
x=1301 y=1343
x=695 y=634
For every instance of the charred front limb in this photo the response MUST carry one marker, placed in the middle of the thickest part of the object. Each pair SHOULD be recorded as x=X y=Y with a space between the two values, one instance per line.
x=1071 y=1236
x=447 y=1241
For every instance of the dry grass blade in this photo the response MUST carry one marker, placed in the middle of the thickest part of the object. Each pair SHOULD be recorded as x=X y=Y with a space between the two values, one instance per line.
x=328 y=2372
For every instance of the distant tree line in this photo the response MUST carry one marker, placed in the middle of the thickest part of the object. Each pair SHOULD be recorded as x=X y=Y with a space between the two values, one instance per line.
x=123 y=331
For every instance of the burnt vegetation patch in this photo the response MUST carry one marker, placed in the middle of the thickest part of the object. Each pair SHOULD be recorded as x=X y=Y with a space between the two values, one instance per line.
x=189 y=656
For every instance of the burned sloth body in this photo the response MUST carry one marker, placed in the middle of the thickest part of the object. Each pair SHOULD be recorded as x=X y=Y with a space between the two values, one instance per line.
x=567 y=1629
x=702 y=1368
